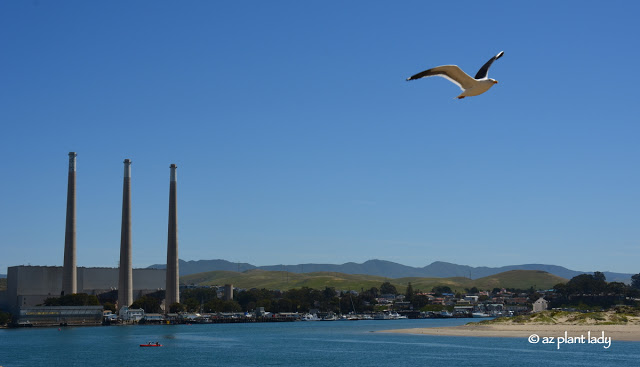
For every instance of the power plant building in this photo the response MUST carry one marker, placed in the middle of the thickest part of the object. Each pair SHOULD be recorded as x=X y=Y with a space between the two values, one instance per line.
x=29 y=286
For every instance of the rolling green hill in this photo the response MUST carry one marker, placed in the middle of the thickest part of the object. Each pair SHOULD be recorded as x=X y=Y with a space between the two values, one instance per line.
x=282 y=280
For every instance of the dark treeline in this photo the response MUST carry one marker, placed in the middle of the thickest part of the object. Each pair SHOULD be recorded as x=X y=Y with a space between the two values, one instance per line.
x=593 y=290
x=76 y=299
x=294 y=300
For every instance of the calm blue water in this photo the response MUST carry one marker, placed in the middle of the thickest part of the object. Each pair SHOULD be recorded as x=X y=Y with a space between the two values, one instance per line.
x=292 y=344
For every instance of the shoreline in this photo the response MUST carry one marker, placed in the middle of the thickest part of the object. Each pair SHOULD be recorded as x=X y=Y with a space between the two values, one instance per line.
x=616 y=332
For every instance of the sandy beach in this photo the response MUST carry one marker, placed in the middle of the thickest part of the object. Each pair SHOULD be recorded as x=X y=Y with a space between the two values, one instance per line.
x=616 y=332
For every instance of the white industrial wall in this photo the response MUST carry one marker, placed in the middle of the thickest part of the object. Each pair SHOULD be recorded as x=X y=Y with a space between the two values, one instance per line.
x=28 y=286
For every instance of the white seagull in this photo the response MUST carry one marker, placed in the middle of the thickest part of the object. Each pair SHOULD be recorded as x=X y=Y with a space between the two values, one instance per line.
x=470 y=86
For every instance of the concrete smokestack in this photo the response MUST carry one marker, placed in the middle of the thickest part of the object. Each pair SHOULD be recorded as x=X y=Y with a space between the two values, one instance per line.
x=125 y=279
x=173 y=287
x=69 y=278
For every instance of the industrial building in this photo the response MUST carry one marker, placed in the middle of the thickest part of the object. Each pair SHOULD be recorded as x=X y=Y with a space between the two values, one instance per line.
x=60 y=315
x=29 y=286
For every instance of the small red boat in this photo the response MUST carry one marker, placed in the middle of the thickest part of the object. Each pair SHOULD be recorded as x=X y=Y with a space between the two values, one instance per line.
x=156 y=344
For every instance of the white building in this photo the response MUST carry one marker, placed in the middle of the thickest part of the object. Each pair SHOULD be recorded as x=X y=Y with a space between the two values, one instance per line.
x=131 y=314
x=540 y=305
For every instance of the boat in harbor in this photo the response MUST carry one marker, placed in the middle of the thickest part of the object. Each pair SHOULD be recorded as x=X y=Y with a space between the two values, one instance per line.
x=388 y=315
x=310 y=317
x=381 y=316
x=330 y=317
x=348 y=317
x=396 y=316
x=445 y=313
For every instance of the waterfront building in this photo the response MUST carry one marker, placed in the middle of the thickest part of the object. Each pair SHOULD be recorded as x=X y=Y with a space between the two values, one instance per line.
x=29 y=286
x=59 y=315
x=130 y=314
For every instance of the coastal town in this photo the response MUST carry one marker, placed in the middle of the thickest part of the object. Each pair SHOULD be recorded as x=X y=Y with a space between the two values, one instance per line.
x=226 y=304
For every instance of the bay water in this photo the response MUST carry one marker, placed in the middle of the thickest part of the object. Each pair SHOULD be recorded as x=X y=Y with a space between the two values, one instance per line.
x=338 y=343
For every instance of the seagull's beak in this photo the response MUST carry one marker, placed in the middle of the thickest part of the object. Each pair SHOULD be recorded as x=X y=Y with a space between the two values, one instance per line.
x=495 y=82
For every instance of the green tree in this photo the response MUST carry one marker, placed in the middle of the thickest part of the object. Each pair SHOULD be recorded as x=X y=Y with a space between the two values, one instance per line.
x=266 y=303
x=231 y=306
x=75 y=299
x=599 y=276
x=283 y=305
x=214 y=305
x=148 y=304
x=200 y=295
x=616 y=288
x=440 y=289
x=388 y=288
x=375 y=292
x=635 y=281
x=5 y=318
x=420 y=301
x=329 y=293
x=586 y=284
x=249 y=299
x=409 y=293
x=192 y=305
x=109 y=306
x=561 y=289
x=176 y=307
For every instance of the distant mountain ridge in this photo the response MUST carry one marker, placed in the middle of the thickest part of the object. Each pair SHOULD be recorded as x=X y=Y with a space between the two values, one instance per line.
x=3 y=276
x=389 y=269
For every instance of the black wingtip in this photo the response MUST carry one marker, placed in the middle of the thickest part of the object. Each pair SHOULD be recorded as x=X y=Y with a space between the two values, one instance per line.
x=499 y=55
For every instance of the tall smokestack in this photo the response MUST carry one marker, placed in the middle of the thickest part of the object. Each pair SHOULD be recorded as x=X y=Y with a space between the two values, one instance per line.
x=125 y=280
x=173 y=288
x=69 y=279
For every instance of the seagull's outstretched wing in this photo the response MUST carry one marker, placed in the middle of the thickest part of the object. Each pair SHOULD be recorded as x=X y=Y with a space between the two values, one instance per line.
x=484 y=70
x=451 y=72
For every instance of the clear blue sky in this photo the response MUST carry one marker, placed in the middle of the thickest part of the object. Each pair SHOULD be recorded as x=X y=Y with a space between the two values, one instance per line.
x=298 y=139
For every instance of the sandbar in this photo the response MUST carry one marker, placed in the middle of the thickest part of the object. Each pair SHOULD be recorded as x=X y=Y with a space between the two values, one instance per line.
x=616 y=332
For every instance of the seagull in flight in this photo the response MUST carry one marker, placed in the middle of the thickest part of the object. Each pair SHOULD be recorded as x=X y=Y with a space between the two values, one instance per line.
x=470 y=86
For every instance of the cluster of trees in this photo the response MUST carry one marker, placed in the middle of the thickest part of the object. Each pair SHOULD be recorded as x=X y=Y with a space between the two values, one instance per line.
x=4 y=318
x=150 y=303
x=205 y=300
x=593 y=290
x=635 y=281
x=76 y=299
x=303 y=299
x=294 y=300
